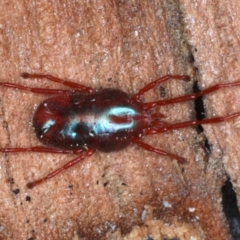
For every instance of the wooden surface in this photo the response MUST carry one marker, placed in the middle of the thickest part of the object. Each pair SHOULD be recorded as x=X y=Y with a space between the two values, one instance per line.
x=131 y=194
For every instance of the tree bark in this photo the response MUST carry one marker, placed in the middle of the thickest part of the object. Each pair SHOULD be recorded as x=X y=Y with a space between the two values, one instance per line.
x=130 y=194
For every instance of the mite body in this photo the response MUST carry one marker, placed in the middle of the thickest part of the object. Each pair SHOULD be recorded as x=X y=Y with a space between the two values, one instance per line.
x=104 y=120
x=83 y=120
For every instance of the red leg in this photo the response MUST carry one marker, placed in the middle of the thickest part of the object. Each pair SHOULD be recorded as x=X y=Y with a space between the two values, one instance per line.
x=156 y=120
x=39 y=149
x=158 y=151
x=156 y=124
x=88 y=152
x=157 y=115
x=35 y=90
x=151 y=85
x=190 y=96
x=170 y=127
x=54 y=79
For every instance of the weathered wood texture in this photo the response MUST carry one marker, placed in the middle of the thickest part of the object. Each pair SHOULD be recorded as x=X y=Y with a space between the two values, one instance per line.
x=131 y=194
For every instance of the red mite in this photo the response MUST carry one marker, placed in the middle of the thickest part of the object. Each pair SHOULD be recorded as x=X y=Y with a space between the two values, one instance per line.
x=83 y=120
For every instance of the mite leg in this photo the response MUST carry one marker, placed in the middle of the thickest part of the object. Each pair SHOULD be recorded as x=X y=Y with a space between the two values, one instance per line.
x=58 y=80
x=151 y=85
x=155 y=150
x=35 y=90
x=192 y=96
x=88 y=152
x=157 y=115
x=40 y=149
x=150 y=131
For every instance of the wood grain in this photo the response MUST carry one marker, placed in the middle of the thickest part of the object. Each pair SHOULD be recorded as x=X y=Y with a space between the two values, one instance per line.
x=131 y=194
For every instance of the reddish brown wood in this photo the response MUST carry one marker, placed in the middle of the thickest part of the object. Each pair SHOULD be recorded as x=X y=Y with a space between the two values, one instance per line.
x=123 y=44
